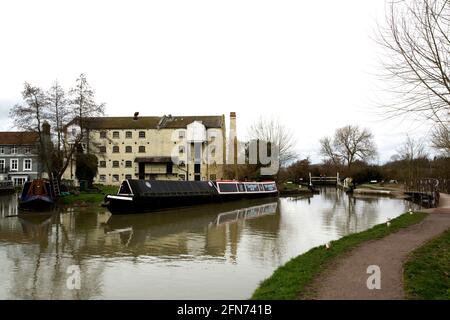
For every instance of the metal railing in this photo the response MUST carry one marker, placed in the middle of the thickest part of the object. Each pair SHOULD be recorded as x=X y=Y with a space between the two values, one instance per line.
x=425 y=191
x=444 y=185
x=324 y=179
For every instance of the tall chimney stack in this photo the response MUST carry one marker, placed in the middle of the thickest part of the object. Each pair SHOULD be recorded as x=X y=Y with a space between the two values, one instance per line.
x=46 y=128
x=232 y=146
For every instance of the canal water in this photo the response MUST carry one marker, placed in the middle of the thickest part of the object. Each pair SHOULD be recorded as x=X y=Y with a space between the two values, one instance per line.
x=206 y=252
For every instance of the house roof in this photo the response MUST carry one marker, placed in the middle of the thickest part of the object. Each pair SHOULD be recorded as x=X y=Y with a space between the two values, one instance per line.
x=18 y=138
x=164 y=122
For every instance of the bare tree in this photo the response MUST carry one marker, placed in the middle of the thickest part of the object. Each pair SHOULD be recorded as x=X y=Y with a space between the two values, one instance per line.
x=83 y=106
x=440 y=139
x=30 y=116
x=54 y=106
x=327 y=150
x=417 y=39
x=350 y=143
x=83 y=102
x=413 y=154
x=411 y=150
x=274 y=132
x=58 y=113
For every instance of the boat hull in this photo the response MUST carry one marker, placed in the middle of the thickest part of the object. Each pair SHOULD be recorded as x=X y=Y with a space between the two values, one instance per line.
x=130 y=205
x=36 y=203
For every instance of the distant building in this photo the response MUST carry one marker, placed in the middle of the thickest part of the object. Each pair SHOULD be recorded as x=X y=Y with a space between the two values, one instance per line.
x=153 y=148
x=19 y=156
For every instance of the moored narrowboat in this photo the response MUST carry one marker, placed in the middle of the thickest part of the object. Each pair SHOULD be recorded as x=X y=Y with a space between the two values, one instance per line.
x=136 y=196
x=36 y=195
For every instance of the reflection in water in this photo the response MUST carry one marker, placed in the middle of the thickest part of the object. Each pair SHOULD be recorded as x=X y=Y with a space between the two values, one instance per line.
x=245 y=213
x=211 y=251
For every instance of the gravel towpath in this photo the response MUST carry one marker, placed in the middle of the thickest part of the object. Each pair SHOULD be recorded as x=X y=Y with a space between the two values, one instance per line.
x=347 y=277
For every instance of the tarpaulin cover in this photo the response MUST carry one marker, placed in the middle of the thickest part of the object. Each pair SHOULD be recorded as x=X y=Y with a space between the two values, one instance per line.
x=150 y=188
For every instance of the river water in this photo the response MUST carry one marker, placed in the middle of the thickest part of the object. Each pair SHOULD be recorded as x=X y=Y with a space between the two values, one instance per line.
x=206 y=252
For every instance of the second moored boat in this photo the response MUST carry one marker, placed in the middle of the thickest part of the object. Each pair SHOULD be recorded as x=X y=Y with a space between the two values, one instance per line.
x=136 y=196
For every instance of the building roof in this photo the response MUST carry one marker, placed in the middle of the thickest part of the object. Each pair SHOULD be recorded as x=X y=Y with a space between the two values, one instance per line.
x=164 y=122
x=18 y=138
x=160 y=159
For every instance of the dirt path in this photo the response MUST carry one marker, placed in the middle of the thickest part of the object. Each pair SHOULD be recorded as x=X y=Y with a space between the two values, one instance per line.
x=346 y=278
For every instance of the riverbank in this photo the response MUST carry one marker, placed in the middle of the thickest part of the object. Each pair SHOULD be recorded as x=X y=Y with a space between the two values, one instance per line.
x=293 y=279
x=427 y=269
x=293 y=189
x=393 y=190
x=347 y=277
x=426 y=273
x=93 y=197
x=341 y=271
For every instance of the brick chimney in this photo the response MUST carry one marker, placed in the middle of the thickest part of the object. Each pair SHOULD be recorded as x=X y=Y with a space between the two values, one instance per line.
x=46 y=128
x=232 y=143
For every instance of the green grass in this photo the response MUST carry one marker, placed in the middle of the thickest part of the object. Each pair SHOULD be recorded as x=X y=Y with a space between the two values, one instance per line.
x=387 y=186
x=427 y=271
x=291 y=280
x=89 y=197
x=289 y=186
x=293 y=188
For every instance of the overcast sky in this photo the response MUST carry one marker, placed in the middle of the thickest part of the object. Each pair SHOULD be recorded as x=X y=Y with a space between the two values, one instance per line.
x=312 y=64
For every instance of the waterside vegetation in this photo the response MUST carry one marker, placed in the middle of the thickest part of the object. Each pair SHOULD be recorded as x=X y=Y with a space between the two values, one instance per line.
x=427 y=271
x=291 y=281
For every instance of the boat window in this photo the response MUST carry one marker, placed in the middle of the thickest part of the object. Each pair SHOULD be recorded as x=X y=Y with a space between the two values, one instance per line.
x=241 y=187
x=251 y=187
x=227 y=187
x=124 y=188
x=270 y=187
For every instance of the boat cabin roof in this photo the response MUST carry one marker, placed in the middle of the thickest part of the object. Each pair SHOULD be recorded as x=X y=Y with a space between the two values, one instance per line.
x=148 y=188
x=162 y=187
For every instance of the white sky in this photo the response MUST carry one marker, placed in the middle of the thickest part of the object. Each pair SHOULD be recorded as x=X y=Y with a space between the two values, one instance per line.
x=313 y=64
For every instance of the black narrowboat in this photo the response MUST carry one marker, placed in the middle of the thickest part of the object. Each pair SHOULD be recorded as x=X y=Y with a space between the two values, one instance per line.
x=135 y=196
x=37 y=195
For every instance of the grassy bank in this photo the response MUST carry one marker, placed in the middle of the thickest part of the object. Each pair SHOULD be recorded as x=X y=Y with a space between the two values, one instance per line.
x=89 y=197
x=427 y=271
x=385 y=186
x=291 y=189
x=290 y=281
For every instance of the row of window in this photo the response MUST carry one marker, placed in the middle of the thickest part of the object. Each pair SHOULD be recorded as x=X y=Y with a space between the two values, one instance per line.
x=14 y=164
x=115 y=164
x=115 y=177
x=16 y=150
x=141 y=149
x=128 y=164
x=116 y=149
x=129 y=134
x=116 y=134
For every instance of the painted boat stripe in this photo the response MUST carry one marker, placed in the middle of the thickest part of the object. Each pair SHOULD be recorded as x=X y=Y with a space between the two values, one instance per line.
x=120 y=198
